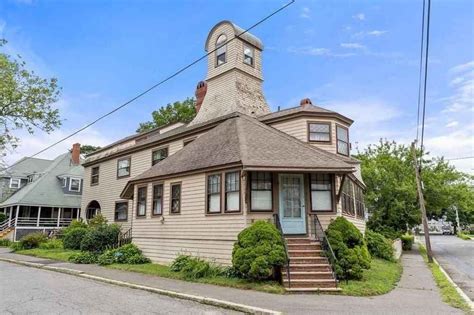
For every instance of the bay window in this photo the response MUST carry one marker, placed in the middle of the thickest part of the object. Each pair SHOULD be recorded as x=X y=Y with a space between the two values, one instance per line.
x=157 y=199
x=347 y=197
x=321 y=192
x=214 y=193
x=342 y=135
x=261 y=190
x=319 y=132
x=232 y=192
x=141 y=201
x=175 y=204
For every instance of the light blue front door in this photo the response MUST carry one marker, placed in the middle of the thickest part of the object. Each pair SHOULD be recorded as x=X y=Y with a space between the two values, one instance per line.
x=292 y=207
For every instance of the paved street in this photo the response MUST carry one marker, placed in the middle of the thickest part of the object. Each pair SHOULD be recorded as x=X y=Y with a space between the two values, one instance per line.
x=25 y=290
x=457 y=258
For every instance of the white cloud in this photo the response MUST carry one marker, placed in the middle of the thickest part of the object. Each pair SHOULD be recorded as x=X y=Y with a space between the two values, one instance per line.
x=305 y=13
x=376 y=33
x=3 y=25
x=352 y=45
x=462 y=98
x=373 y=33
x=462 y=67
x=317 y=51
x=452 y=124
x=359 y=16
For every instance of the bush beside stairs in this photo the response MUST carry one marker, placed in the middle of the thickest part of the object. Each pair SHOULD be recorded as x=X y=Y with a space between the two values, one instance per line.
x=310 y=270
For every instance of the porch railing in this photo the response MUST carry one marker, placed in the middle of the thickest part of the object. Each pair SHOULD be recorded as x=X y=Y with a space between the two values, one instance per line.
x=125 y=238
x=42 y=222
x=287 y=256
x=326 y=246
x=6 y=224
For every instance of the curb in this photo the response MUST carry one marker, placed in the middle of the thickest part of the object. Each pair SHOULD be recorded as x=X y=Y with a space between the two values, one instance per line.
x=195 y=298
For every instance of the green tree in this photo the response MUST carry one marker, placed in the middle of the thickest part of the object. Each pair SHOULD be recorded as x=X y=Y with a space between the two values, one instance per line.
x=391 y=196
x=88 y=149
x=25 y=101
x=172 y=113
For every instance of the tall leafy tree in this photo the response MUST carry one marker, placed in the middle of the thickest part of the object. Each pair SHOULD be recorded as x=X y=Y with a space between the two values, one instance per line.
x=391 y=197
x=25 y=101
x=172 y=113
x=88 y=149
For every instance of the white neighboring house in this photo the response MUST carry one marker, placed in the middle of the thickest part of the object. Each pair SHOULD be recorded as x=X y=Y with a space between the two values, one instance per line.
x=47 y=195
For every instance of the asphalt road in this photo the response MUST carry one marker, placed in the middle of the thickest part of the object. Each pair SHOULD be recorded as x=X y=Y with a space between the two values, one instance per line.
x=25 y=290
x=457 y=258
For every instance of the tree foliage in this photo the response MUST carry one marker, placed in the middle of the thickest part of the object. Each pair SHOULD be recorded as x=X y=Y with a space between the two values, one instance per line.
x=25 y=101
x=172 y=113
x=88 y=149
x=391 y=196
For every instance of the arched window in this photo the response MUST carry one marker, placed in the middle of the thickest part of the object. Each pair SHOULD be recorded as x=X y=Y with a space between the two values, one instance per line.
x=221 y=50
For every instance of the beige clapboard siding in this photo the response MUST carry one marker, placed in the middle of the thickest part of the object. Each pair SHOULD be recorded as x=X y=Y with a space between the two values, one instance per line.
x=359 y=223
x=108 y=191
x=298 y=128
x=191 y=231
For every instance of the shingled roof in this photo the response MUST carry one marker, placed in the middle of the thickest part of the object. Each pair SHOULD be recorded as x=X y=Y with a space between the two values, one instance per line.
x=244 y=141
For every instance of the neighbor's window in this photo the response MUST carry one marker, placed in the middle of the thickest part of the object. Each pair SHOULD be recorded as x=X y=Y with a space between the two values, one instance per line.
x=221 y=50
x=319 y=132
x=321 y=192
x=123 y=167
x=75 y=184
x=175 y=198
x=342 y=140
x=359 y=200
x=248 y=55
x=232 y=192
x=214 y=193
x=158 y=155
x=347 y=197
x=15 y=183
x=261 y=191
x=64 y=181
x=121 y=211
x=158 y=199
x=141 y=201
x=95 y=175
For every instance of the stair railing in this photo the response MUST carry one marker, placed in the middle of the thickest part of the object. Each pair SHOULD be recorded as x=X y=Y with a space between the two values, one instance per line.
x=276 y=218
x=125 y=238
x=326 y=246
x=7 y=224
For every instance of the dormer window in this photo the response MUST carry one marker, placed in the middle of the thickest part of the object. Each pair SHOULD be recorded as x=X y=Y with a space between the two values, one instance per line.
x=221 y=50
x=64 y=181
x=15 y=183
x=342 y=134
x=248 y=55
x=75 y=184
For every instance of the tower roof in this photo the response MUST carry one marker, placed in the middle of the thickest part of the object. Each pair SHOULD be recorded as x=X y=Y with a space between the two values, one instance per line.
x=238 y=31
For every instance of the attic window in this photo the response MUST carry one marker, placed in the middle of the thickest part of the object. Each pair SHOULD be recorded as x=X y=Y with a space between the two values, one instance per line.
x=75 y=184
x=221 y=50
x=15 y=183
x=248 y=55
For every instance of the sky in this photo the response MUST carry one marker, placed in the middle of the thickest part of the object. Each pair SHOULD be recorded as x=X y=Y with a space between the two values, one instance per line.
x=360 y=58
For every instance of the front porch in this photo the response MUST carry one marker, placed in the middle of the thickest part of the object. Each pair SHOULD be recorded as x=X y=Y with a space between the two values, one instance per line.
x=25 y=219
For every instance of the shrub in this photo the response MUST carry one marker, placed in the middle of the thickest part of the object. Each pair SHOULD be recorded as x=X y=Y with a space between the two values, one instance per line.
x=349 y=248
x=463 y=236
x=83 y=258
x=407 y=241
x=127 y=254
x=98 y=221
x=5 y=243
x=195 y=267
x=16 y=246
x=74 y=225
x=100 y=238
x=378 y=245
x=259 y=248
x=52 y=244
x=73 y=237
x=3 y=217
x=33 y=240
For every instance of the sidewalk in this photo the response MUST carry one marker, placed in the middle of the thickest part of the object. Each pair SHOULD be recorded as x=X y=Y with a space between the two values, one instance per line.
x=416 y=293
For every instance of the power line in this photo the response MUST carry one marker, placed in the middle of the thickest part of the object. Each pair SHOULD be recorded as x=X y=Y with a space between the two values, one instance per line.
x=460 y=158
x=179 y=71
x=421 y=71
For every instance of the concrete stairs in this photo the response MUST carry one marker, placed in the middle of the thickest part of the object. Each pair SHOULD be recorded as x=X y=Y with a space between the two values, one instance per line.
x=5 y=232
x=310 y=270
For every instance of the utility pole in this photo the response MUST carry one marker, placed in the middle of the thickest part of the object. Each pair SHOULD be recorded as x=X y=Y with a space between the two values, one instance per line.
x=457 y=219
x=419 y=187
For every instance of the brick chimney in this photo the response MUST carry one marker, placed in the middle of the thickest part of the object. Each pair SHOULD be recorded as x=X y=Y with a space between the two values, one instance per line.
x=305 y=101
x=76 y=154
x=201 y=90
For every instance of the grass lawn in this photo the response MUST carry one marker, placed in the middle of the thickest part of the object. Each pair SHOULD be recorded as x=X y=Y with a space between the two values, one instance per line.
x=57 y=254
x=463 y=236
x=165 y=272
x=448 y=291
x=381 y=278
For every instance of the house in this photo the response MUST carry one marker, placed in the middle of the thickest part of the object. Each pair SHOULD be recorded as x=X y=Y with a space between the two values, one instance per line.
x=191 y=188
x=49 y=198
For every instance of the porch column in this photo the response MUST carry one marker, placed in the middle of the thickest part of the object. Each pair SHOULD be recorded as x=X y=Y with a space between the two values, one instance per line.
x=78 y=215
x=10 y=216
x=59 y=215
x=39 y=215
x=16 y=221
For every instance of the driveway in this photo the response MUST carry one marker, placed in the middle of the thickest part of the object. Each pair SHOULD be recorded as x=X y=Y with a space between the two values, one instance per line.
x=25 y=290
x=457 y=258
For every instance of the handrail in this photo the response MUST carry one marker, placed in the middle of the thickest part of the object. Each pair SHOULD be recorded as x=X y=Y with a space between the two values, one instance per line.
x=321 y=236
x=7 y=224
x=124 y=238
x=287 y=255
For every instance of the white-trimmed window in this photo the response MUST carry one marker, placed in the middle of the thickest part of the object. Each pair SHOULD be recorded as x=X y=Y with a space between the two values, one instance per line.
x=15 y=183
x=232 y=192
x=75 y=184
x=261 y=190
x=248 y=55
x=221 y=45
x=342 y=135
x=321 y=192
x=214 y=193
x=64 y=182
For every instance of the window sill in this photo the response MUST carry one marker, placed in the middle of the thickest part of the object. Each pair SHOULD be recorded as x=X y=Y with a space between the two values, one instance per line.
x=125 y=220
x=125 y=176
x=140 y=217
